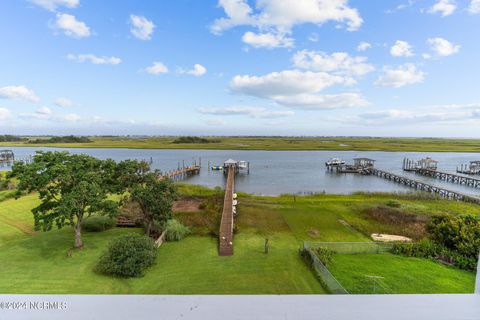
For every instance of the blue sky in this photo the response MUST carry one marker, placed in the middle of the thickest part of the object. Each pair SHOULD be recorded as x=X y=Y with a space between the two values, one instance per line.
x=238 y=67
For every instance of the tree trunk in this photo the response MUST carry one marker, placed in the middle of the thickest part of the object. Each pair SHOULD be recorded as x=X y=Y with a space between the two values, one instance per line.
x=148 y=227
x=78 y=235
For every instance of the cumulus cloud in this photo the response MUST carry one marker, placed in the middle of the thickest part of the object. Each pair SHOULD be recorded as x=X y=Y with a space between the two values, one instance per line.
x=474 y=7
x=363 y=46
x=157 y=68
x=444 y=7
x=268 y=40
x=197 y=71
x=401 y=76
x=4 y=114
x=401 y=49
x=288 y=82
x=52 y=5
x=63 y=102
x=326 y=101
x=94 y=59
x=337 y=62
x=295 y=88
x=142 y=28
x=18 y=93
x=252 y=112
x=71 y=26
x=275 y=19
x=443 y=47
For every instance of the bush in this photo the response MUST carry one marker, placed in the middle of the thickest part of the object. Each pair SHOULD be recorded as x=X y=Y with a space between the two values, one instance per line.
x=393 y=204
x=128 y=256
x=421 y=249
x=98 y=223
x=325 y=255
x=175 y=230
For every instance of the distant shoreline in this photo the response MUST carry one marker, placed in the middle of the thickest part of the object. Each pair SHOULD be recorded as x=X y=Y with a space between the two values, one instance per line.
x=275 y=144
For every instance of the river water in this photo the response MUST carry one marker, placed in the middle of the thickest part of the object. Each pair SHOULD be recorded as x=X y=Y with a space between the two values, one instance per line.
x=277 y=172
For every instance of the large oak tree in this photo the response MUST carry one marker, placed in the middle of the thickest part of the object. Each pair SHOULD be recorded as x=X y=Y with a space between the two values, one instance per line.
x=70 y=186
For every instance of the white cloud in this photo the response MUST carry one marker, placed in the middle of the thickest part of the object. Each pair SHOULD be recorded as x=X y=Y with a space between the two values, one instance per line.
x=429 y=114
x=363 y=46
x=337 y=62
x=63 y=102
x=474 y=7
x=71 y=26
x=327 y=101
x=252 y=112
x=142 y=28
x=4 y=114
x=294 y=88
x=52 y=5
x=288 y=82
x=268 y=40
x=197 y=71
x=72 y=117
x=18 y=93
x=275 y=19
x=94 y=59
x=444 y=7
x=443 y=47
x=44 y=111
x=398 y=77
x=401 y=49
x=157 y=68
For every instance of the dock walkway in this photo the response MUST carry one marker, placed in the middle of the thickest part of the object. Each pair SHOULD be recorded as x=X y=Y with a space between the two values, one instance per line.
x=450 y=177
x=226 y=224
x=420 y=185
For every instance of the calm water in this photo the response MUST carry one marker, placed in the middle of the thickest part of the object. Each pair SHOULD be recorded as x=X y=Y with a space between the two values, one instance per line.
x=276 y=172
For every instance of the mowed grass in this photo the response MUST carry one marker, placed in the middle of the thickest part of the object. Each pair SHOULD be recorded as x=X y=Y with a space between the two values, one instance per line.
x=398 y=275
x=278 y=143
x=43 y=262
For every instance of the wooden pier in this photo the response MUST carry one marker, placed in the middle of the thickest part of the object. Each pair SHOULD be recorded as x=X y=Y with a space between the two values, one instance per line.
x=8 y=158
x=225 y=245
x=450 y=177
x=419 y=185
x=428 y=167
x=182 y=173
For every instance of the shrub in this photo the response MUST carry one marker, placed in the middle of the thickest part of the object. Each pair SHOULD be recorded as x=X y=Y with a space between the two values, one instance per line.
x=325 y=255
x=98 y=223
x=175 y=230
x=421 y=249
x=128 y=256
x=393 y=204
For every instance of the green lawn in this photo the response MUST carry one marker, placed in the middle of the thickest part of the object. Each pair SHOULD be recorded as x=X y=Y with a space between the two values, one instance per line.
x=278 y=143
x=43 y=262
x=400 y=274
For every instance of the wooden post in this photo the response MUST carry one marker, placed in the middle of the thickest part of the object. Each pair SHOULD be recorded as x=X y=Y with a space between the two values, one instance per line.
x=266 y=246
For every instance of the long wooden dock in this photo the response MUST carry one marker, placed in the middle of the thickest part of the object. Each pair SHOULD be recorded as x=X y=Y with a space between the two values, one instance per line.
x=450 y=177
x=225 y=247
x=420 y=185
x=182 y=173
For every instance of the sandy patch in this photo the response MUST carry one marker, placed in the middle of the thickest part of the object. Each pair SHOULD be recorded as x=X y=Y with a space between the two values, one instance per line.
x=389 y=238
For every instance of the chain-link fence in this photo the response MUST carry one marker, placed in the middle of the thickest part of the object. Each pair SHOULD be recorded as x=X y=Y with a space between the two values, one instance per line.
x=351 y=247
x=326 y=278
